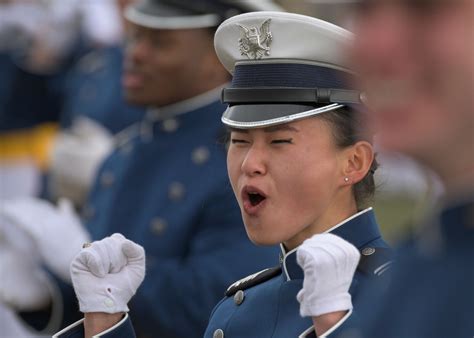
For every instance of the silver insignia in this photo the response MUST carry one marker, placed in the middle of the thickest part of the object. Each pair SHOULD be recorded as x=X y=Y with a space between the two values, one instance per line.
x=255 y=42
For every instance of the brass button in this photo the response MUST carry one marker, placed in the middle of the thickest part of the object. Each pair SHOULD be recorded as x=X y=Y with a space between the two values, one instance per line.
x=107 y=179
x=200 y=155
x=158 y=225
x=218 y=334
x=176 y=191
x=239 y=297
x=368 y=251
x=170 y=125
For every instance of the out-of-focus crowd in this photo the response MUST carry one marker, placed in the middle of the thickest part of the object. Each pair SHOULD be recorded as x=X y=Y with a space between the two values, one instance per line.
x=60 y=70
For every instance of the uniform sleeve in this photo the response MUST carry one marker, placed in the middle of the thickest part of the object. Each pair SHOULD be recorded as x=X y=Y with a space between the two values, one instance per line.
x=180 y=294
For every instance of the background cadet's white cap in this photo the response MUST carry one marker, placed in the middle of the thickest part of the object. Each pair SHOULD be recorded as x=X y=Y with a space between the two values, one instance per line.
x=189 y=14
x=285 y=67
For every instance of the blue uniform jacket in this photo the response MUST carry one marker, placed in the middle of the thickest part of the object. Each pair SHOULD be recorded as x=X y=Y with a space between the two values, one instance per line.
x=264 y=305
x=165 y=187
x=432 y=289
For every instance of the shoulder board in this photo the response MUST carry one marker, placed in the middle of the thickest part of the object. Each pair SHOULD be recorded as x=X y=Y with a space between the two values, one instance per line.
x=252 y=280
x=375 y=261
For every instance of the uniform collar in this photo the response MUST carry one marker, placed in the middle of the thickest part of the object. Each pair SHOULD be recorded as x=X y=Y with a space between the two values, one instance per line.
x=168 y=115
x=359 y=229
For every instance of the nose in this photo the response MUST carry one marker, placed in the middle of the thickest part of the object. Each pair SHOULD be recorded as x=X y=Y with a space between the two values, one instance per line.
x=137 y=50
x=254 y=163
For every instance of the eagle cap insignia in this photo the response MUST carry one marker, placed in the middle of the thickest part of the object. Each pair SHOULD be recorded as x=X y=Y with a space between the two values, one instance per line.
x=255 y=42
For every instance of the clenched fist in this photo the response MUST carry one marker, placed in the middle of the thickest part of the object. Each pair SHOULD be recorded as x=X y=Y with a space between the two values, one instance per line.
x=107 y=273
x=329 y=263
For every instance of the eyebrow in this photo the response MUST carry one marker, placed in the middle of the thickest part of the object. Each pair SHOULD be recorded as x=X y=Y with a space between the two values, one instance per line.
x=273 y=129
x=281 y=127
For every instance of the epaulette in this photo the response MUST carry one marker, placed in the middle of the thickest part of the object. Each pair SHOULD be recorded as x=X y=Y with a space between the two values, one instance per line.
x=375 y=261
x=252 y=280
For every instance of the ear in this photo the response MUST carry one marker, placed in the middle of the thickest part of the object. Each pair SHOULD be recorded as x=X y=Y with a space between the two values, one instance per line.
x=358 y=160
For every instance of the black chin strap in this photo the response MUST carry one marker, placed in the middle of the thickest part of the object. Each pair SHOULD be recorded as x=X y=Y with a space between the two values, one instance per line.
x=261 y=95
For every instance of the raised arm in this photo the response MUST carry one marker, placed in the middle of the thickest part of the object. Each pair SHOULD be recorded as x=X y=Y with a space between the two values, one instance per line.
x=329 y=264
x=105 y=275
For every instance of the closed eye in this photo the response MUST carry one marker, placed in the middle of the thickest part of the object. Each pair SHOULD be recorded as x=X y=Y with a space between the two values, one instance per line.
x=235 y=141
x=290 y=141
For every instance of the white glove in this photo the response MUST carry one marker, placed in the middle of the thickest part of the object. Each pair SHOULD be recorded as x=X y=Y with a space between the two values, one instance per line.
x=23 y=285
x=107 y=274
x=75 y=158
x=57 y=231
x=329 y=263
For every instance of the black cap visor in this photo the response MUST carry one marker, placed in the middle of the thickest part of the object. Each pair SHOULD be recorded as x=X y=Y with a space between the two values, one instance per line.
x=248 y=116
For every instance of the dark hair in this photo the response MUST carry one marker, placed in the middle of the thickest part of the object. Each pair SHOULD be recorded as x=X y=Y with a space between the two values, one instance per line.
x=348 y=129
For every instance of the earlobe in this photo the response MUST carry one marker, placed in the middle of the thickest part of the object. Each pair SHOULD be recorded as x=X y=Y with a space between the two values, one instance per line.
x=359 y=160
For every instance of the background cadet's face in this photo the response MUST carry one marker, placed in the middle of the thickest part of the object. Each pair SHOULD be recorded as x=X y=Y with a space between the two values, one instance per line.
x=166 y=66
x=294 y=166
x=416 y=60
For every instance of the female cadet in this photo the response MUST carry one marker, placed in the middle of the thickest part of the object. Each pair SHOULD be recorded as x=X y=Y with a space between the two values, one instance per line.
x=300 y=165
x=301 y=170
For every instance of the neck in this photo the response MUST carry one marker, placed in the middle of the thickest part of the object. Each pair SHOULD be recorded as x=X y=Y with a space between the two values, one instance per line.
x=213 y=75
x=334 y=214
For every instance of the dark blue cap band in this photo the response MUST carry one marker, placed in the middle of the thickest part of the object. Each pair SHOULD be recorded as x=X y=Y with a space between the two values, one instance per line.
x=289 y=75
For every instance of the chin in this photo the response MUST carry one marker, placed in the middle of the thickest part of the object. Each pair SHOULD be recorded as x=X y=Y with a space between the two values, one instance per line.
x=262 y=238
x=137 y=98
x=261 y=241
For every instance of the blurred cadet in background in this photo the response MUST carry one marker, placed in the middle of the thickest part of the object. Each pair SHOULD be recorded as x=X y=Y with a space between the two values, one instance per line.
x=53 y=56
x=416 y=60
x=94 y=88
x=164 y=185
x=94 y=108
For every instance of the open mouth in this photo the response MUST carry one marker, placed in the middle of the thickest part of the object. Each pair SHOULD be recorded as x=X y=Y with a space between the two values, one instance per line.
x=255 y=198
